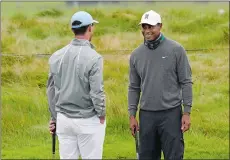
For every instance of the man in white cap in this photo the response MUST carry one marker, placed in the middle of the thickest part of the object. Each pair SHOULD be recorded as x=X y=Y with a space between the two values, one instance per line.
x=160 y=71
x=76 y=95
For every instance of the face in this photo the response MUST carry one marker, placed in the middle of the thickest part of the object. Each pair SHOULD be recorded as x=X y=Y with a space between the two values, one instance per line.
x=151 y=32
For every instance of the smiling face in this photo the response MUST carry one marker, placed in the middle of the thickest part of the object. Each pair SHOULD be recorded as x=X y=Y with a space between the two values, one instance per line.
x=151 y=32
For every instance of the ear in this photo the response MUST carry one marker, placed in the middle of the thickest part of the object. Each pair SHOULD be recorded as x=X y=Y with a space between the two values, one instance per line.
x=90 y=28
x=160 y=25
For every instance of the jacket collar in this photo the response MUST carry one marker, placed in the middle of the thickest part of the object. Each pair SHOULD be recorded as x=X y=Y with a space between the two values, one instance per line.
x=81 y=42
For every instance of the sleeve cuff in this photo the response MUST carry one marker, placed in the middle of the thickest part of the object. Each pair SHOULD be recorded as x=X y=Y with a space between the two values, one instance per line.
x=102 y=114
x=187 y=109
x=53 y=119
x=132 y=112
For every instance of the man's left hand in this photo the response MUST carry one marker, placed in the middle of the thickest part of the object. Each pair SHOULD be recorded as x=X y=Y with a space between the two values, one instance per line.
x=185 y=122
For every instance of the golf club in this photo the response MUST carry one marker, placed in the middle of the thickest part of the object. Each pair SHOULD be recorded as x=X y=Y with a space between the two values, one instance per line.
x=53 y=143
x=137 y=143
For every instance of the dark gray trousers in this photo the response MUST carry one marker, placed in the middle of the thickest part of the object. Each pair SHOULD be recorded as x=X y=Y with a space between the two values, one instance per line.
x=161 y=131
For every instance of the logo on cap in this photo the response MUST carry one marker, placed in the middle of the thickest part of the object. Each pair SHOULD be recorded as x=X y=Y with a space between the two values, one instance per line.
x=146 y=16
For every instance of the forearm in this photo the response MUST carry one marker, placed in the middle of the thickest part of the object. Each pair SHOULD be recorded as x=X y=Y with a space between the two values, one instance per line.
x=98 y=99
x=134 y=88
x=53 y=113
x=51 y=97
x=187 y=97
x=185 y=78
x=133 y=100
x=97 y=87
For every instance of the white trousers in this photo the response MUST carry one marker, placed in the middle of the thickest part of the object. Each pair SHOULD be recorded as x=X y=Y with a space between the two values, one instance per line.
x=80 y=137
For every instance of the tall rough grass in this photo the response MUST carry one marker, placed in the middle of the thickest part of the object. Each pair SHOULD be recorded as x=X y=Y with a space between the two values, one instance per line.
x=50 y=13
x=25 y=112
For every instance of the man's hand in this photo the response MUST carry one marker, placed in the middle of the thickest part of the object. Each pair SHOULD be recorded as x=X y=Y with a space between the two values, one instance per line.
x=185 y=122
x=52 y=127
x=133 y=125
x=102 y=119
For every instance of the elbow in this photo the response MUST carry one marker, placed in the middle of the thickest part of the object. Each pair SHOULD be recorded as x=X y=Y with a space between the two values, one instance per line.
x=186 y=81
x=98 y=98
x=97 y=93
x=134 y=88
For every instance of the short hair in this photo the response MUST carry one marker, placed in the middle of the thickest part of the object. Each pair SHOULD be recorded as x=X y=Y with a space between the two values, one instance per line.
x=158 y=24
x=79 y=31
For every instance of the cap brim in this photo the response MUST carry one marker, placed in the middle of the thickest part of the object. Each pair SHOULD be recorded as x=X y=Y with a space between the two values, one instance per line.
x=94 y=21
x=145 y=22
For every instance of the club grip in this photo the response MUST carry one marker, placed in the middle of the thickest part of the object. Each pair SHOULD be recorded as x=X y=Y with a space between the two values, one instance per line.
x=53 y=143
x=137 y=141
x=54 y=140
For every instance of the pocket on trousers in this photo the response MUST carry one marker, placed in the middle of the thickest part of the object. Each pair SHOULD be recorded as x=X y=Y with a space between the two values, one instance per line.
x=99 y=122
x=91 y=125
x=62 y=124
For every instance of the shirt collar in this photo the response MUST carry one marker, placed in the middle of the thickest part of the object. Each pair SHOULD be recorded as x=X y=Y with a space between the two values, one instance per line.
x=82 y=42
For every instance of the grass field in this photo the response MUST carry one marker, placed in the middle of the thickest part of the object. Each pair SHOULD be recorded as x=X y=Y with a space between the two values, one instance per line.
x=45 y=29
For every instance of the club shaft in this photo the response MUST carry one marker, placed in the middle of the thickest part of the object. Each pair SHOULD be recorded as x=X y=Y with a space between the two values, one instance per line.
x=137 y=143
x=53 y=144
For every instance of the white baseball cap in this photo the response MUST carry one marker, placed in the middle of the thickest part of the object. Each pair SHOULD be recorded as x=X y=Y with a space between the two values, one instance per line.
x=151 y=17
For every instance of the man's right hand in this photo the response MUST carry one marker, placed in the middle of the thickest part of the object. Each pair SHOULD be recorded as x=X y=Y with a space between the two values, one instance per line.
x=52 y=127
x=133 y=125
